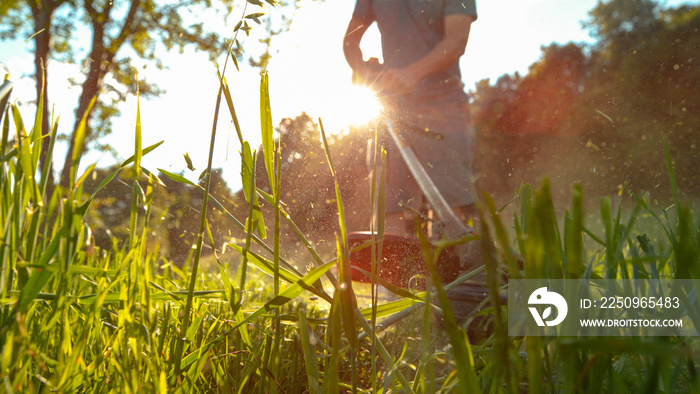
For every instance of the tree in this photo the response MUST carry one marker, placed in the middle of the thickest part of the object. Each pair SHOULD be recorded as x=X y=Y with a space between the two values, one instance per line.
x=640 y=89
x=140 y=25
x=536 y=103
x=175 y=218
x=518 y=116
x=598 y=115
x=617 y=22
x=45 y=27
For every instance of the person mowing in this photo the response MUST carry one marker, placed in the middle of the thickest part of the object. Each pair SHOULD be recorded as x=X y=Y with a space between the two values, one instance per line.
x=420 y=86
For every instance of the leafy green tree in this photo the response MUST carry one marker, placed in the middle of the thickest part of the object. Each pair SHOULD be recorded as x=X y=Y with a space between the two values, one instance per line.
x=597 y=115
x=142 y=26
x=518 y=117
x=641 y=88
x=618 y=23
x=175 y=218
x=536 y=103
x=18 y=17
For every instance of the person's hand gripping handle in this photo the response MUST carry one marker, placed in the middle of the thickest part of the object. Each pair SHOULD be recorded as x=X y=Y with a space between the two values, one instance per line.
x=367 y=72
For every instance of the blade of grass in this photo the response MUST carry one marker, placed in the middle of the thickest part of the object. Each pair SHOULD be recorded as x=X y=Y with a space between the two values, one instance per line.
x=310 y=359
x=80 y=134
x=502 y=351
x=248 y=180
x=231 y=108
x=458 y=338
x=333 y=337
x=46 y=173
x=268 y=139
x=277 y=323
x=200 y=238
x=348 y=303
x=573 y=236
x=25 y=161
x=36 y=137
x=5 y=92
x=136 y=168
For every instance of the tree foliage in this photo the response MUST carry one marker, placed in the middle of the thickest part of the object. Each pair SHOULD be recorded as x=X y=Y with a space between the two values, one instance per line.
x=176 y=207
x=598 y=114
x=119 y=31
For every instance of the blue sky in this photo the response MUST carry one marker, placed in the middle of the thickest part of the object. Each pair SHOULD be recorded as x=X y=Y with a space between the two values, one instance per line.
x=307 y=73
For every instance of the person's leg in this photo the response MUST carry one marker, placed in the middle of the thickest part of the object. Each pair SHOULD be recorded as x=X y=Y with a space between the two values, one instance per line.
x=401 y=191
x=396 y=221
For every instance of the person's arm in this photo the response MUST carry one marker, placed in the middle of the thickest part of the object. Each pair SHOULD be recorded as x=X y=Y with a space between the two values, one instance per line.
x=351 y=42
x=445 y=54
x=363 y=71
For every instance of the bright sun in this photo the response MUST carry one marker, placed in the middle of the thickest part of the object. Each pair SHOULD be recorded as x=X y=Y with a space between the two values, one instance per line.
x=353 y=106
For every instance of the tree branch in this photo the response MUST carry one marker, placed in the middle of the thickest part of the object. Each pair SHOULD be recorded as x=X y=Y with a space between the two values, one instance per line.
x=127 y=28
x=92 y=13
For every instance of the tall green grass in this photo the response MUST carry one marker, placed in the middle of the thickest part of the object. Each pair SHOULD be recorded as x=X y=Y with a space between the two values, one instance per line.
x=74 y=317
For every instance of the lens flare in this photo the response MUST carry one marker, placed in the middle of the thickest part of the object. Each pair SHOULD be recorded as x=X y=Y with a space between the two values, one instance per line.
x=366 y=104
x=358 y=105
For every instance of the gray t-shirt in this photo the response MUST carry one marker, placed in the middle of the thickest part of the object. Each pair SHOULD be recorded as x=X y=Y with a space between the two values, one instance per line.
x=412 y=28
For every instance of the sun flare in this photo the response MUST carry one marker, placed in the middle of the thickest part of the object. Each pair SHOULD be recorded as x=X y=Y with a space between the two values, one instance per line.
x=355 y=106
